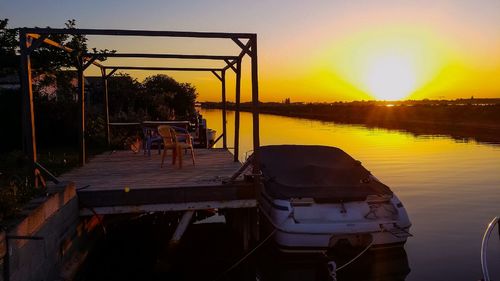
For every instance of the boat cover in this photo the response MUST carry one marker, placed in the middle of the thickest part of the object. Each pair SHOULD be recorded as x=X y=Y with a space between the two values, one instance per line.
x=324 y=173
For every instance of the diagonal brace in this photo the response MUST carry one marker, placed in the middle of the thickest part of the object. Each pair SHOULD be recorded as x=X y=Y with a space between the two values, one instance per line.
x=244 y=48
x=217 y=75
x=231 y=64
x=47 y=173
x=36 y=43
x=111 y=72
x=88 y=63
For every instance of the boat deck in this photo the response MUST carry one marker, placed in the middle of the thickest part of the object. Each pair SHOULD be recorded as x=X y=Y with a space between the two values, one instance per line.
x=124 y=182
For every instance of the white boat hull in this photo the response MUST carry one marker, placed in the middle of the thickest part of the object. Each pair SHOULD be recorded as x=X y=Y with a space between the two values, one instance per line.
x=312 y=227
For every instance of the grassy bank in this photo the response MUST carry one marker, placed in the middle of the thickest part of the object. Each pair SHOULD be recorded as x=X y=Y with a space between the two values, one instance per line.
x=460 y=119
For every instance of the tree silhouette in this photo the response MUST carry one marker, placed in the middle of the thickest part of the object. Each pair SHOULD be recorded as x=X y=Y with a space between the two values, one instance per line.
x=166 y=97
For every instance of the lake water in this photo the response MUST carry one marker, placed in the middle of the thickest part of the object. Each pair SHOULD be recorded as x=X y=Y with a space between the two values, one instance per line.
x=450 y=188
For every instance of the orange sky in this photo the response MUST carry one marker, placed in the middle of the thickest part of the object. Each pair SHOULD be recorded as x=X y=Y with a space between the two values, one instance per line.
x=314 y=50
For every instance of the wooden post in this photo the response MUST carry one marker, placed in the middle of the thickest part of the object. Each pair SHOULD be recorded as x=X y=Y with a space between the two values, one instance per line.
x=29 y=136
x=255 y=117
x=245 y=228
x=237 y=112
x=181 y=228
x=255 y=108
x=105 y=104
x=224 y=107
x=81 y=113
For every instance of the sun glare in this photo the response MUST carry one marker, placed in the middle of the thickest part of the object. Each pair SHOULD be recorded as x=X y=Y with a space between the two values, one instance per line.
x=390 y=77
x=388 y=62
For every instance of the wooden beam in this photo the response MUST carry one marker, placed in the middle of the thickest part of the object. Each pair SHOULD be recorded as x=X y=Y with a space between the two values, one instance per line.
x=181 y=228
x=29 y=135
x=164 y=56
x=169 y=207
x=216 y=140
x=255 y=110
x=37 y=43
x=169 y=195
x=50 y=42
x=238 y=173
x=60 y=46
x=146 y=33
x=106 y=103
x=81 y=112
x=162 y=68
x=111 y=72
x=89 y=62
x=224 y=109
x=237 y=113
x=230 y=64
x=47 y=173
x=217 y=75
x=240 y=56
x=245 y=48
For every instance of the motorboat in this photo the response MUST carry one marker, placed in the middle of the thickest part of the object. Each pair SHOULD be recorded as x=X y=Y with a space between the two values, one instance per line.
x=315 y=198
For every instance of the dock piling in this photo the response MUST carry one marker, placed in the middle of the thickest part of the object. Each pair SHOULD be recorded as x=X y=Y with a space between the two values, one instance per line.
x=181 y=228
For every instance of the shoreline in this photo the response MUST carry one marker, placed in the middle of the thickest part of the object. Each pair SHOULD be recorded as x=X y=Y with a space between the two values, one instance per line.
x=462 y=123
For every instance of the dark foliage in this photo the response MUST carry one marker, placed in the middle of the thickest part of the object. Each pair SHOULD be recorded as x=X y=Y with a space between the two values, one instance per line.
x=56 y=113
x=167 y=98
x=10 y=120
x=9 y=61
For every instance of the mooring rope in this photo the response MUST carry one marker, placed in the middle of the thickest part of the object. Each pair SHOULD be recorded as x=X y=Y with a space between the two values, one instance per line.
x=353 y=259
x=276 y=227
x=334 y=269
x=245 y=256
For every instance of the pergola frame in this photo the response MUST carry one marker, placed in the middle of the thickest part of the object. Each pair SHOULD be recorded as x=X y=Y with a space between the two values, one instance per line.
x=32 y=38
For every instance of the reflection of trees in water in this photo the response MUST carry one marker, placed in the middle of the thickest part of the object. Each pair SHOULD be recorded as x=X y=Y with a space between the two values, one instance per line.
x=462 y=120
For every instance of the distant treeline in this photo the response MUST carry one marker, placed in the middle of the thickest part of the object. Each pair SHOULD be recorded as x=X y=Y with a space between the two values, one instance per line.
x=478 y=119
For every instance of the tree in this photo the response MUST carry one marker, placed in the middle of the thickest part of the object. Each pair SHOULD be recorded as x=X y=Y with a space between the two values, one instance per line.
x=49 y=59
x=9 y=60
x=123 y=91
x=166 y=96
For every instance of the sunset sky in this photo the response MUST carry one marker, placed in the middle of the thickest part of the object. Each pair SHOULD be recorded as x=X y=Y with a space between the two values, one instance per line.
x=308 y=50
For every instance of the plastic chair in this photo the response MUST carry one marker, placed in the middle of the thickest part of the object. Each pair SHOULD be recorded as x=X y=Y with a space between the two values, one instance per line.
x=150 y=137
x=175 y=141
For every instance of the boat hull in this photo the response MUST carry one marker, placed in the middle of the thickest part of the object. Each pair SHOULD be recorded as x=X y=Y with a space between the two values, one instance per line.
x=296 y=230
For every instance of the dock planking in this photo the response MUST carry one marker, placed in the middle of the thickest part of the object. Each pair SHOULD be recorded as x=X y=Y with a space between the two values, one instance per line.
x=126 y=182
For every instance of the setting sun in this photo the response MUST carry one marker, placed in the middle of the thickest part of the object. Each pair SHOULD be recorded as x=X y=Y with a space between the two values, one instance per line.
x=390 y=77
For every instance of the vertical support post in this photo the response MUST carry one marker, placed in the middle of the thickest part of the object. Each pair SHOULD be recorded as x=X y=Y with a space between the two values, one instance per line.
x=29 y=136
x=237 y=112
x=255 y=109
x=224 y=107
x=105 y=104
x=255 y=119
x=245 y=228
x=81 y=112
x=6 y=259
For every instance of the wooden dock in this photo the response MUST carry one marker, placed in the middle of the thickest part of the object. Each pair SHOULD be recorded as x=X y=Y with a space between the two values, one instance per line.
x=123 y=182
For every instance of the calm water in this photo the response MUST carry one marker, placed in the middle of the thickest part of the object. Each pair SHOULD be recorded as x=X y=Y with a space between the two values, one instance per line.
x=450 y=188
